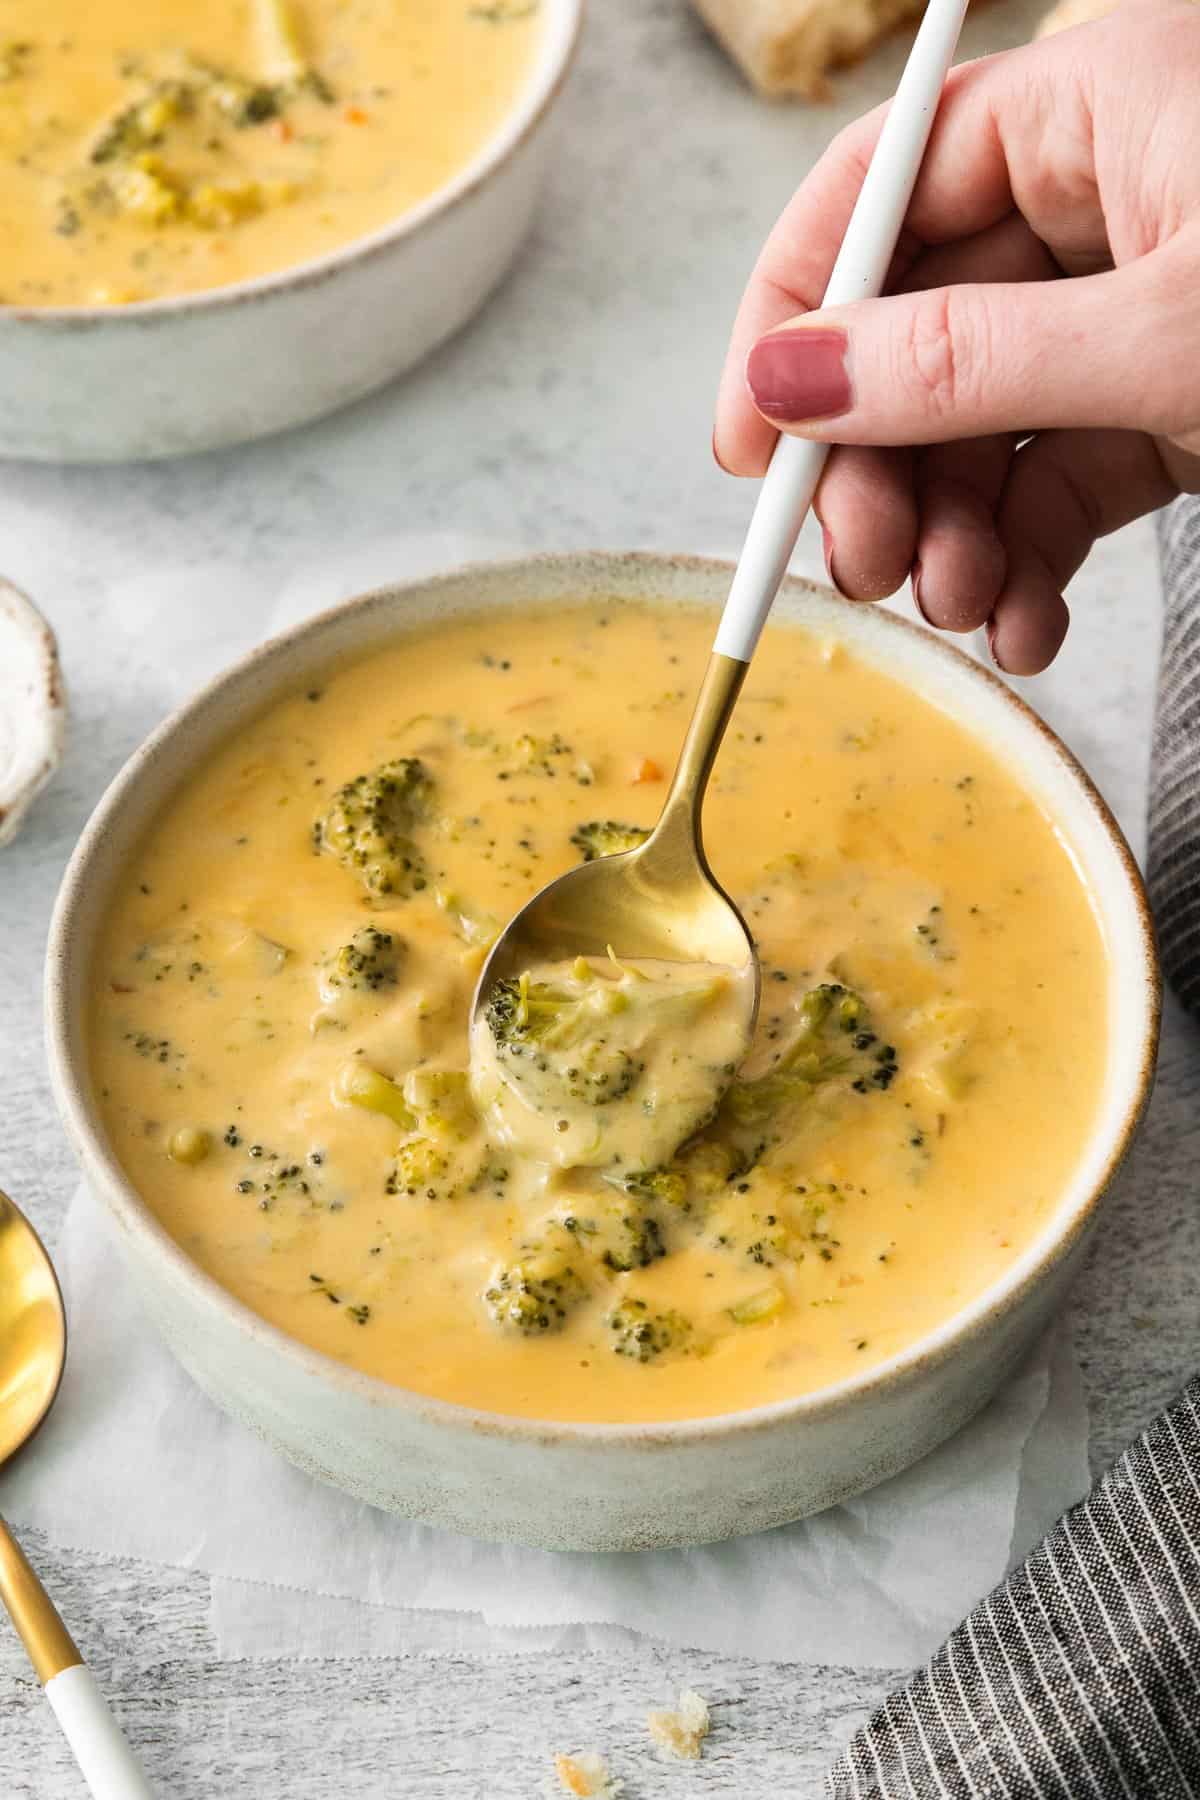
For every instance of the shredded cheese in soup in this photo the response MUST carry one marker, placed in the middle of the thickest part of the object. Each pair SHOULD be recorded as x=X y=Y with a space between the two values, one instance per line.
x=280 y=1019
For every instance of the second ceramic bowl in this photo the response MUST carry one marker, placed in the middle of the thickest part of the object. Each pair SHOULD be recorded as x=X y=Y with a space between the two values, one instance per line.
x=122 y=383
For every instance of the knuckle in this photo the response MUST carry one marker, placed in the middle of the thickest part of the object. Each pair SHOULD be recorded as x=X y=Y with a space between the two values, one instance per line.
x=944 y=352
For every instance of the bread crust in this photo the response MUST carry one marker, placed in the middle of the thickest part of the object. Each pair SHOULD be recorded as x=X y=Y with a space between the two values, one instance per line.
x=789 y=47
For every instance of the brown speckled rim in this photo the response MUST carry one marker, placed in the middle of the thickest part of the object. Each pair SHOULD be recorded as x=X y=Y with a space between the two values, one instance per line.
x=599 y=572
x=553 y=61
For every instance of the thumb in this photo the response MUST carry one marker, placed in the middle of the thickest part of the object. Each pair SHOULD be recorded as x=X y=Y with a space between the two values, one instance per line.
x=966 y=361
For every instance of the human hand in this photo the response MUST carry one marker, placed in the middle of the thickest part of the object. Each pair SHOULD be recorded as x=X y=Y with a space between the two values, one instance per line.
x=1039 y=345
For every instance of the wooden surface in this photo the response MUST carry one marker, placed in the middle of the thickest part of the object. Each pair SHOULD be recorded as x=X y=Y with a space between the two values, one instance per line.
x=577 y=412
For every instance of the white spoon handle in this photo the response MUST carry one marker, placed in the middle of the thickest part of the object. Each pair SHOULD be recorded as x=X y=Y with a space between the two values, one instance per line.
x=107 y=1763
x=105 y=1760
x=858 y=274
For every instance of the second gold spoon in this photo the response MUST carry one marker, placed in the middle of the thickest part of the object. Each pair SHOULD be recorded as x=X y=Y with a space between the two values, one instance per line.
x=33 y=1348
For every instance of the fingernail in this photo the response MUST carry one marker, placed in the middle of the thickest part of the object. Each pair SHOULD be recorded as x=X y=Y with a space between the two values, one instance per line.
x=989 y=632
x=827 y=548
x=799 y=374
x=915 y=578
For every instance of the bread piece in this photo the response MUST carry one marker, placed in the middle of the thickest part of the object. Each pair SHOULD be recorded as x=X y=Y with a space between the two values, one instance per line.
x=587 y=1776
x=680 y=1734
x=1073 y=12
x=789 y=46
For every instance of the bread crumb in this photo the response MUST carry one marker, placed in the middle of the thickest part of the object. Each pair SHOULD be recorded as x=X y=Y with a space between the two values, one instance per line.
x=682 y=1732
x=587 y=1775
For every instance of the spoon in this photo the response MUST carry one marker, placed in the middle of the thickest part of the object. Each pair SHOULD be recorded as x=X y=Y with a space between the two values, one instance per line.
x=33 y=1349
x=662 y=900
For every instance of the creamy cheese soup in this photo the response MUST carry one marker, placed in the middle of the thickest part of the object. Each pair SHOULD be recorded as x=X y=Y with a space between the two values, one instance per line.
x=280 y=1015
x=154 y=147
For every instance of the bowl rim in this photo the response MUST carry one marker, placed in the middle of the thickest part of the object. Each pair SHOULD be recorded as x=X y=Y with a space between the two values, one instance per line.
x=554 y=58
x=134 y=1218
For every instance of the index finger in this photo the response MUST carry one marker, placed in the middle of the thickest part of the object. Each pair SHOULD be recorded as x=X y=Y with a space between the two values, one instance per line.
x=965 y=186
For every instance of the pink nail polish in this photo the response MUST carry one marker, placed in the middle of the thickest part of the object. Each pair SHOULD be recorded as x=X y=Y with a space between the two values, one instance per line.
x=798 y=375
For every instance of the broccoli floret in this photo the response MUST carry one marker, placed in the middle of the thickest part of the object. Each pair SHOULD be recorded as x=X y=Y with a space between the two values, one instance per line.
x=142 y=125
x=422 y=1166
x=605 y=837
x=668 y=1185
x=618 y=1230
x=369 y=827
x=558 y=1015
x=530 y=755
x=246 y=103
x=536 y=1294
x=370 y=961
x=550 y=1037
x=695 y=1175
x=708 y=1165
x=636 y=1331
x=835 y=1041
x=633 y=1240
x=434 y=1111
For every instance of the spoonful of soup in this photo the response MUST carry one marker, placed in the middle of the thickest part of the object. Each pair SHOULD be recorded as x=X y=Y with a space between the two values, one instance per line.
x=612 y=1013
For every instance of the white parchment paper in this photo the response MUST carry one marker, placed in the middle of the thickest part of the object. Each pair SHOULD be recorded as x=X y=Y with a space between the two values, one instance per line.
x=136 y=1462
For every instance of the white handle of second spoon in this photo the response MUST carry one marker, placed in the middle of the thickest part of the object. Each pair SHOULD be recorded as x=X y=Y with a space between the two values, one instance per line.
x=858 y=274
x=106 y=1762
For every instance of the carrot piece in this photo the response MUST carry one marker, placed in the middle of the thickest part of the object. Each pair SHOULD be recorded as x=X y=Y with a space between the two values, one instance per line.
x=354 y=115
x=534 y=700
x=646 y=769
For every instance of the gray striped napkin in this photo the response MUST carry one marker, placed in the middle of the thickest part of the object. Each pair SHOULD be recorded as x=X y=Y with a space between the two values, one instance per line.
x=1173 y=875
x=1078 y=1678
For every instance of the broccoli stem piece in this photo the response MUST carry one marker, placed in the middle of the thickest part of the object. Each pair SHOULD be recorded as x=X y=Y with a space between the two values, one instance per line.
x=763 y=1305
x=357 y=1084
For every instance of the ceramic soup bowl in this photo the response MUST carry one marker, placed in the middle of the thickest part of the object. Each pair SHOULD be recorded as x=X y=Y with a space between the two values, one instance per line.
x=607 y=1487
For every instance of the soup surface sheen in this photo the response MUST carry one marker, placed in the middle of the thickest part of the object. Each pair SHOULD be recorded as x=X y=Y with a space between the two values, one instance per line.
x=156 y=147
x=280 y=1047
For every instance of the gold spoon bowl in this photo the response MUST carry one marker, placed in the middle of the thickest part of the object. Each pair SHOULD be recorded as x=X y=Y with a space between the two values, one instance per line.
x=660 y=901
